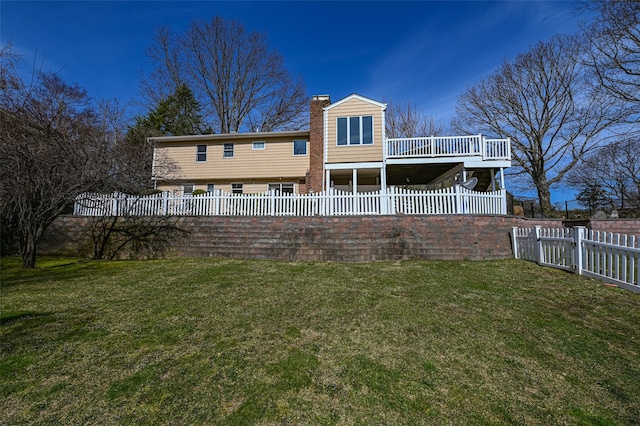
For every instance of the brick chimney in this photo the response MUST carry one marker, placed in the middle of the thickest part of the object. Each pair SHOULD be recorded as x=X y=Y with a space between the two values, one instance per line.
x=315 y=176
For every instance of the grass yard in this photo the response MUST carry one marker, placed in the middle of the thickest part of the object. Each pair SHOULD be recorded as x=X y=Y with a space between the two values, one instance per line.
x=217 y=341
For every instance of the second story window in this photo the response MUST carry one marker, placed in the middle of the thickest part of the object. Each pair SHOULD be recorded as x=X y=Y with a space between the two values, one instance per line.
x=228 y=150
x=201 y=153
x=355 y=130
x=256 y=146
x=300 y=147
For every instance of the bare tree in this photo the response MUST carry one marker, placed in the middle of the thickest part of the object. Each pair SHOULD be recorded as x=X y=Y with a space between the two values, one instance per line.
x=614 y=48
x=544 y=102
x=615 y=170
x=51 y=151
x=240 y=81
x=55 y=144
x=403 y=120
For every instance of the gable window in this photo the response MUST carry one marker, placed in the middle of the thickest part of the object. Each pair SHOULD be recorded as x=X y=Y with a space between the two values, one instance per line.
x=228 y=150
x=201 y=153
x=299 y=147
x=258 y=145
x=355 y=130
x=236 y=188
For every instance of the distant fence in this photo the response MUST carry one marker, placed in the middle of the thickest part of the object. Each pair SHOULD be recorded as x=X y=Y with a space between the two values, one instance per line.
x=610 y=257
x=454 y=200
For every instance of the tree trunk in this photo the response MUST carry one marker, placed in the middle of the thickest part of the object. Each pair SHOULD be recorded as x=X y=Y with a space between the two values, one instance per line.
x=28 y=251
x=544 y=197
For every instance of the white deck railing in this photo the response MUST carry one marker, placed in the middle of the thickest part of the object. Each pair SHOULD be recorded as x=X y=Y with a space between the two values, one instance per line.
x=610 y=257
x=454 y=200
x=449 y=146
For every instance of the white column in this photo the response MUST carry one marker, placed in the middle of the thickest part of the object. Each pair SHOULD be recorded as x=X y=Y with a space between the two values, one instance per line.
x=355 y=180
x=327 y=184
x=493 y=180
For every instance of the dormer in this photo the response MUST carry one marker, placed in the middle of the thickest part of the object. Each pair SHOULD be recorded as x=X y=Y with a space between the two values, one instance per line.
x=354 y=130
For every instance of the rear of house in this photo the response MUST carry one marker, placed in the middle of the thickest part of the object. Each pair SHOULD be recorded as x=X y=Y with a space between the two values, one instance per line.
x=345 y=149
x=236 y=163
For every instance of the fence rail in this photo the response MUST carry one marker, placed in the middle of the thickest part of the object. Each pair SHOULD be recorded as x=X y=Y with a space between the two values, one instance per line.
x=454 y=200
x=611 y=257
x=447 y=146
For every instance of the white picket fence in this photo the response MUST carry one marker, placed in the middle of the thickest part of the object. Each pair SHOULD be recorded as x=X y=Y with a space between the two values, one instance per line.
x=611 y=257
x=454 y=200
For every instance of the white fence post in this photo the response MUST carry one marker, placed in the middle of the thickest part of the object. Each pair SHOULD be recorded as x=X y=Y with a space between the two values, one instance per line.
x=272 y=202
x=216 y=202
x=578 y=235
x=458 y=200
x=538 y=252
x=165 y=202
x=514 y=242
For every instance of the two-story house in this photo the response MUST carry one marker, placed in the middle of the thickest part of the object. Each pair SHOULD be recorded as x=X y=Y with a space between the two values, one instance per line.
x=345 y=148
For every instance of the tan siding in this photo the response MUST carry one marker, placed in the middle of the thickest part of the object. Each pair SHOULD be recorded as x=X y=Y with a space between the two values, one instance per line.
x=249 y=186
x=274 y=162
x=354 y=153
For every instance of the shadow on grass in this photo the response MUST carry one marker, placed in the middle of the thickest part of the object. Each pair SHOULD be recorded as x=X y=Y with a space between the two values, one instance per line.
x=47 y=269
x=7 y=318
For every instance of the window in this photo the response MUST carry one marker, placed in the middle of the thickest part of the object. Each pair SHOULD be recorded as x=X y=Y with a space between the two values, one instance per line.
x=300 y=147
x=187 y=188
x=355 y=130
x=236 y=188
x=228 y=150
x=211 y=187
x=284 y=188
x=258 y=145
x=201 y=153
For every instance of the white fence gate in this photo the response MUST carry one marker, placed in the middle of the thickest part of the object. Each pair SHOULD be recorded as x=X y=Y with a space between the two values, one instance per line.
x=610 y=257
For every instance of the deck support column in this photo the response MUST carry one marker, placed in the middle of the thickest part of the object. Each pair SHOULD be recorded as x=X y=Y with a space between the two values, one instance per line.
x=493 y=180
x=354 y=178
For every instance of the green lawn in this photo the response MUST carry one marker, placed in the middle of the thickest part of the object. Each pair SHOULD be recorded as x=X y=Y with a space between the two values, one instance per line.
x=216 y=341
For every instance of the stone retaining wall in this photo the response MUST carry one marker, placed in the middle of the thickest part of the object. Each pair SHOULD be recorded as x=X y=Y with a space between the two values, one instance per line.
x=351 y=239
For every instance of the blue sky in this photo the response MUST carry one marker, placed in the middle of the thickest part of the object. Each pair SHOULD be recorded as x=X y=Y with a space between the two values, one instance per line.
x=425 y=52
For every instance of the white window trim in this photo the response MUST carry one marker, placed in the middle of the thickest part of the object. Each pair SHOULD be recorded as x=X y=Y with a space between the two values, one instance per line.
x=361 y=130
x=233 y=150
x=193 y=188
x=253 y=145
x=198 y=153
x=241 y=187
x=306 y=147
x=293 y=186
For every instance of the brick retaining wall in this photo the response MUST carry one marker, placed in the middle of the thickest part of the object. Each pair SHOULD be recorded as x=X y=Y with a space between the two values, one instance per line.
x=352 y=239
